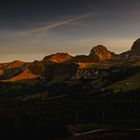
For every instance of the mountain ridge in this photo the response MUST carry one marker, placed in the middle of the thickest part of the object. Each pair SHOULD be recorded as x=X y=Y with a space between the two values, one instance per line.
x=57 y=63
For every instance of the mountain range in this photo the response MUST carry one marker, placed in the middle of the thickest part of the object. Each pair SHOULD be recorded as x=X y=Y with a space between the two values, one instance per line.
x=18 y=70
x=101 y=68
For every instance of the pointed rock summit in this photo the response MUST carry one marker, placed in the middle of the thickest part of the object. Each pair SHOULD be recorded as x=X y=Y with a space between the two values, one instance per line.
x=134 y=52
x=100 y=53
x=136 y=47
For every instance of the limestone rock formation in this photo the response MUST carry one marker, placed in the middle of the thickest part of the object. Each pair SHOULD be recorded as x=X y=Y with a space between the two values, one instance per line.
x=100 y=53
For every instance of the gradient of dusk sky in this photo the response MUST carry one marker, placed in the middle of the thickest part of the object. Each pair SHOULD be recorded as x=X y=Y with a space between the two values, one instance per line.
x=32 y=29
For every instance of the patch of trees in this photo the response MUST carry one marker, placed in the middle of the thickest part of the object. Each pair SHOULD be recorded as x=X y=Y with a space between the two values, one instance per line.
x=15 y=89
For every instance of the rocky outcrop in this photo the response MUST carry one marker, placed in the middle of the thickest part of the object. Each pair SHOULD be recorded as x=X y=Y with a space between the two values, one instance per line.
x=57 y=58
x=100 y=53
x=58 y=64
x=37 y=68
x=135 y=50
x=59 y=69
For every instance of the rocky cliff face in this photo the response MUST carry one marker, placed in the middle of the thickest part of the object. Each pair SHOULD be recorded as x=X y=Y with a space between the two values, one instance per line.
x=59 y=69
x=100 y=53
x=58 y=64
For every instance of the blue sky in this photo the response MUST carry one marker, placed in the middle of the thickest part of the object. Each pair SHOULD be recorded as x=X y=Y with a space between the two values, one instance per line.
x=32 y=29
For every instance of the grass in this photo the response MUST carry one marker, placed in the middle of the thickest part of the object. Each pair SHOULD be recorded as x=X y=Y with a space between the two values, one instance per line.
x=72 y=82
x=58 y=78
x=131 y=83
x=80 y=128
x=62 y=78
x=121 y=124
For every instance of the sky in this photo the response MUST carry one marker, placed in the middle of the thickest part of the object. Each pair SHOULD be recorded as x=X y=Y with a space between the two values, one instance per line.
x=32 y=29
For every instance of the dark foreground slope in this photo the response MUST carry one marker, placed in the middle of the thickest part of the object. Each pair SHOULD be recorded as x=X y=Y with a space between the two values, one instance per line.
x=56 y=117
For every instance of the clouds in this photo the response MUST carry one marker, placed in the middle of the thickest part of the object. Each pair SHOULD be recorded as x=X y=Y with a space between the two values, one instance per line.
x=35 y=26
x=35 y=40
x=46 y=28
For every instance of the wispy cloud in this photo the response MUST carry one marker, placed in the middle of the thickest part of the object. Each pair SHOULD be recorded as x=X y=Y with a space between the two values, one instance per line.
x=47 y=28
x=83 y=40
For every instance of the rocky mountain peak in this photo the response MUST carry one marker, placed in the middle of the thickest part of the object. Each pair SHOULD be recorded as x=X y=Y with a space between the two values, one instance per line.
x=101 y=53
x=136 y=46
x=58 y=58
x=134 y=52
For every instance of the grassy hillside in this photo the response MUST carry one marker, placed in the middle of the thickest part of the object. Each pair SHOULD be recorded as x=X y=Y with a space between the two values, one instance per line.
x=130 y=83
